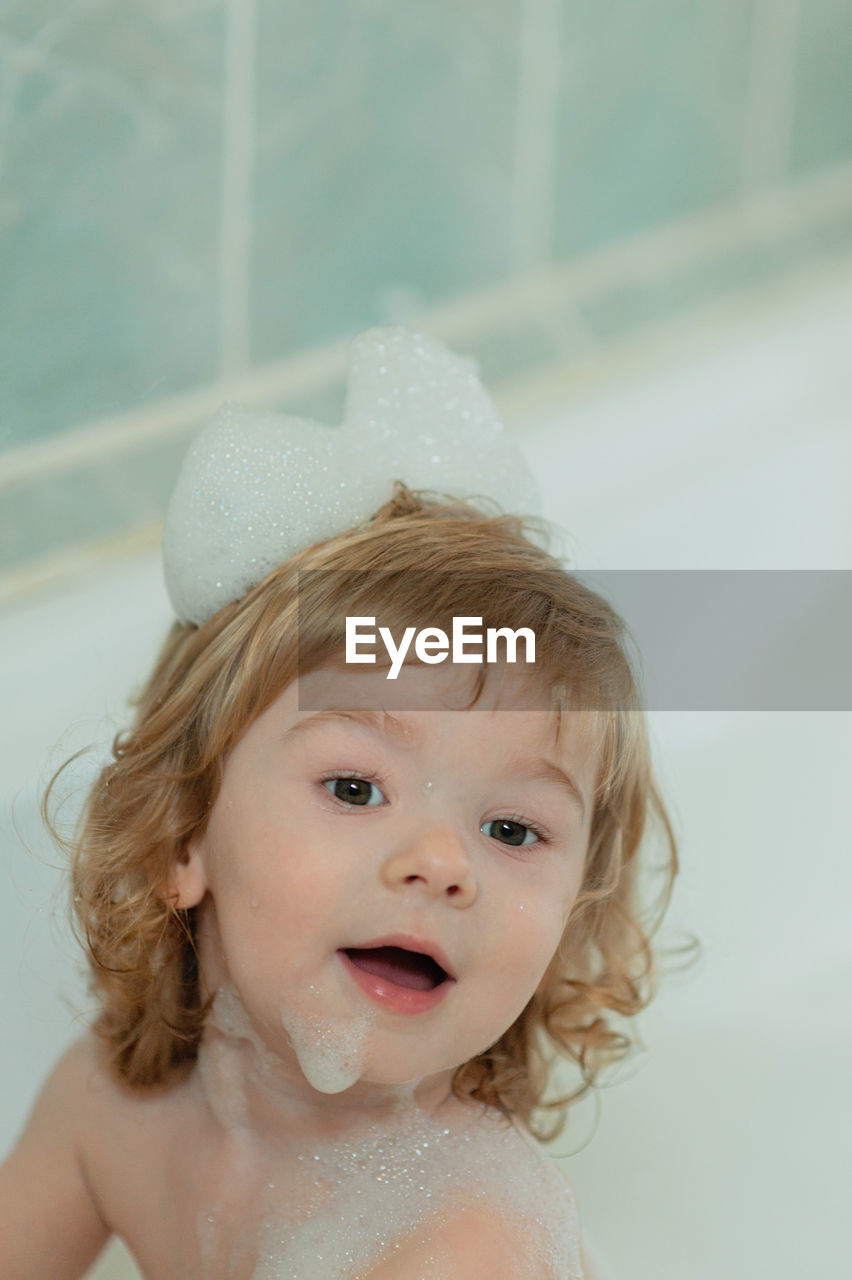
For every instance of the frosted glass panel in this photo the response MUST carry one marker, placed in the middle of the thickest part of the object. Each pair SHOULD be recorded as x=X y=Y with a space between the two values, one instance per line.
x=651 y=116
x=194 y=191
x=108 y=208
x=823 y=125
x=385 y=161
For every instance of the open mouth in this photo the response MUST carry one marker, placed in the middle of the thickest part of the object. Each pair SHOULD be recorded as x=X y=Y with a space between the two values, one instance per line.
x=396 y=964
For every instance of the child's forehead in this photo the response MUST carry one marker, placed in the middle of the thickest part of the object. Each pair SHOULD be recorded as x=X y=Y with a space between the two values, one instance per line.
x=419 y=688
x=505 y=707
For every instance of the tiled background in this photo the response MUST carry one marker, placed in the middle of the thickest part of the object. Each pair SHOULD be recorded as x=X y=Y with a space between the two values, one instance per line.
x=193 y=189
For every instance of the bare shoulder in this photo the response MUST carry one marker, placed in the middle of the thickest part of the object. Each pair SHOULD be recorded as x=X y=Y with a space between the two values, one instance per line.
x=50 y=1222
x=61 y=1111
x=81 y=1100
x=473 y=1244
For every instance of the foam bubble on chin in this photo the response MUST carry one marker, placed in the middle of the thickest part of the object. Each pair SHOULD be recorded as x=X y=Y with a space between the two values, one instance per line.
x=331 y=1053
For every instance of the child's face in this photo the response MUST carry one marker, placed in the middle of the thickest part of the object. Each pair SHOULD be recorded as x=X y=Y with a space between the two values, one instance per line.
x=431 y=833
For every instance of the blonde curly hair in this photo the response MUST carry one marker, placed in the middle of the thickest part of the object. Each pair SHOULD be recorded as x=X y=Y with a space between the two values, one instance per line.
x=209 y=684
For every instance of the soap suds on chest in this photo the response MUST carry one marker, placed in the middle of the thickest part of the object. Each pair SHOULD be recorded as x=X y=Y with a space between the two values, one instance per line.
x=395 y=1181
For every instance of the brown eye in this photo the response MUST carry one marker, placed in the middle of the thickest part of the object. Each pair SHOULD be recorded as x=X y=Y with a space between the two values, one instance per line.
x=354 y=791
x=509 y=832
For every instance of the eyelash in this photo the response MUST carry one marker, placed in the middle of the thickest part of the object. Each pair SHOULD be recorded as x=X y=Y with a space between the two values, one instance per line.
x=541 y=835
x=376 y=779
x=539 y=832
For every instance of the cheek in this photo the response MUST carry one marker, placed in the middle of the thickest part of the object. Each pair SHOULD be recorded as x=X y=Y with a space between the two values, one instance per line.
x=247 y=847
x=271 y=883
x=516 y=970
x=530 y=935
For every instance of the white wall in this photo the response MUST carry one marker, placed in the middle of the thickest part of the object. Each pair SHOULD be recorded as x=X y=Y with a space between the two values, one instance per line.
x=725 y=1147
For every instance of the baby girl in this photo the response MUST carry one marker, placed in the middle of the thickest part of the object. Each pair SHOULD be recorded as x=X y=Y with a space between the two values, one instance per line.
x=342 y=925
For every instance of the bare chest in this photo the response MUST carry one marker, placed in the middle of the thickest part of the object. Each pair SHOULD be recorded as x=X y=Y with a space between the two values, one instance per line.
x=189 y=1201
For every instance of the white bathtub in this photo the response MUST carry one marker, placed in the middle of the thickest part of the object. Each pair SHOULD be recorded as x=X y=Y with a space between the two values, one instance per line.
x=724 y=1148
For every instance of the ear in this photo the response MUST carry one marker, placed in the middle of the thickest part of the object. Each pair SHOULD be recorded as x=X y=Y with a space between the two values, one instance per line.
x=188 y=880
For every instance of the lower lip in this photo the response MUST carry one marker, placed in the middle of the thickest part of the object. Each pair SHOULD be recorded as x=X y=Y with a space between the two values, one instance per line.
x=391 y=995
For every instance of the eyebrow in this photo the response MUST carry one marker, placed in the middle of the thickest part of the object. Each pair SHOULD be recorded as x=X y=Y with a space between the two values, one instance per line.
x=536 y=768
x=366 y=718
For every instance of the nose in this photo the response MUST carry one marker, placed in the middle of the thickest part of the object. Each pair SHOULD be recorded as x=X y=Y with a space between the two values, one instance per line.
x=435 y=857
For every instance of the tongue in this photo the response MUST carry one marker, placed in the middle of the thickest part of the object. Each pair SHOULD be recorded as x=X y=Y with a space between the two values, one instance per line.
x=405 y=968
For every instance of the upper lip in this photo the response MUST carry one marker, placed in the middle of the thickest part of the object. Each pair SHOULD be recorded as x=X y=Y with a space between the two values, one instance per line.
x=409 y=943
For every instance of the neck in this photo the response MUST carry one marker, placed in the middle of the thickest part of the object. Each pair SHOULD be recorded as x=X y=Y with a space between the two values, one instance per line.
x=309 y=1085
x=251 y=1089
